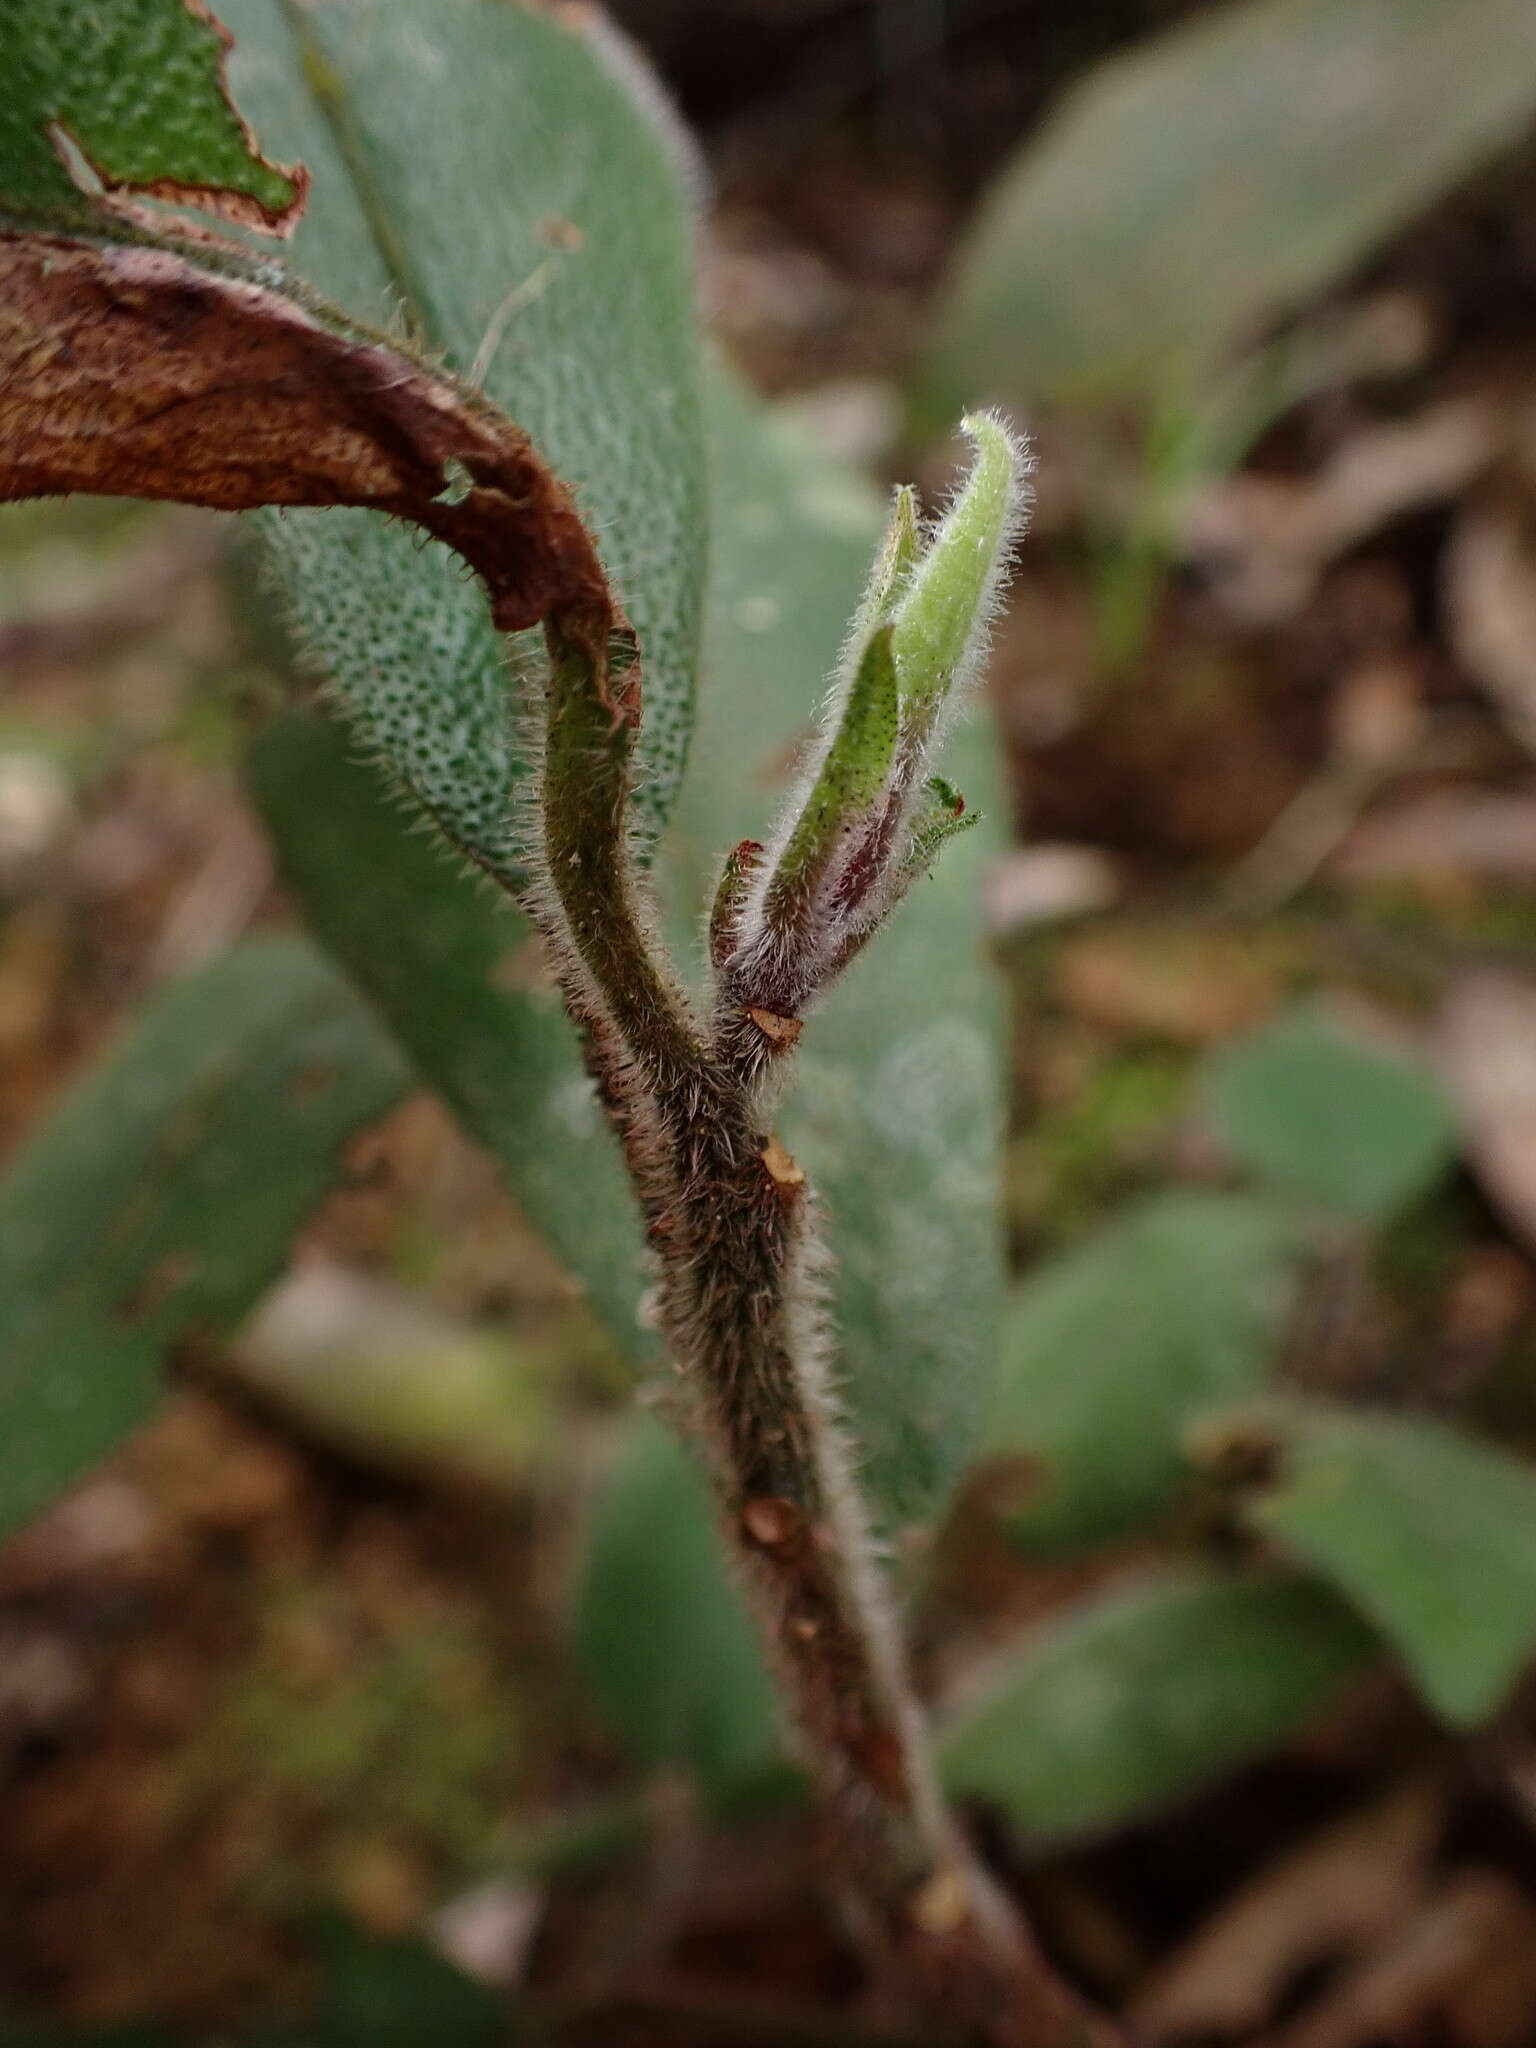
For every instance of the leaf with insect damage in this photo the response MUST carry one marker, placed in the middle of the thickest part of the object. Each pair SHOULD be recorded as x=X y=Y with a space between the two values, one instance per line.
x=128 y=95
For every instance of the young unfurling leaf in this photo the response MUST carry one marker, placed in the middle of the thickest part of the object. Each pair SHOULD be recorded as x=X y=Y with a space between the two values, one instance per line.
x=873 y=818
x=854 y=776
x=941 y=623
x=897 y=558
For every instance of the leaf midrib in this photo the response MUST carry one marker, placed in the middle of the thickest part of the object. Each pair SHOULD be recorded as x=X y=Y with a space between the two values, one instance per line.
x=324 y=91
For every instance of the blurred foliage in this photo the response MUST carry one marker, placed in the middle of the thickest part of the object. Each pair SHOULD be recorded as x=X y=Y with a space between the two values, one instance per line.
x=658 y=1631
x=1208 y=180
x=1324 y=1113
x=1430 y=1533
x=1094 y=1142
x=1127 y=1701
x=1118 y=1361
x=160 y=1198
x=358 y=1734
x=1107 y=1351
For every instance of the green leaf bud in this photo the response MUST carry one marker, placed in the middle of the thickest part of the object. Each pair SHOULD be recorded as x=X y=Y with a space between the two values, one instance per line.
x=941 y=621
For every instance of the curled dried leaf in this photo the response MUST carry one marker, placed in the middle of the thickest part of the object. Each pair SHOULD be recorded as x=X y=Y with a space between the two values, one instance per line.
x=133 y=371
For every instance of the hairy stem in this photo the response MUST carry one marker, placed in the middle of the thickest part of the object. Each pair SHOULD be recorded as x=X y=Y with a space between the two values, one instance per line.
x=593 y=716
x=641 y=1042
x=731 y=1219
x=739 y=1312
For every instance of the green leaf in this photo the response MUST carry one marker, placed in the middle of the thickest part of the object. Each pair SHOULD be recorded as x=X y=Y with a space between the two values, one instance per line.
x=892 y=568
x=1327 y=1113
x=160 y=1198
x=659 y=1633
x=896 y=1109
x=504 y=179
x=1140 y=1697
x=1216 y=176
x=1430 y=1533
x=1108 y=1351
x=459 y=978
x=940 y=817
x=136 y=88
x=381 y=1993
x=853 y=774
x=940 y=623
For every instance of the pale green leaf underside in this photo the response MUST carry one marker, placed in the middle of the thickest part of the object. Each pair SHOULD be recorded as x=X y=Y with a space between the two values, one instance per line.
x=459 y=978
x=1214 y=177
x=1428 y=1532
x=135 y=87
x=160 y=1197
x=1140 y=1697
x=856 y=765
x=896 y=1109
x=489 y=178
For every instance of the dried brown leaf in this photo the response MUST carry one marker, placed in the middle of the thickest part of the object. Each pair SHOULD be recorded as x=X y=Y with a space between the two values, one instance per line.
x=1444 y=839
x=136 y=372
x=1486 y=1051
x=1490 y=600
x=780 y=1030
x=1338 y=1893
x=784 y=1170
x=1463 y=1970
